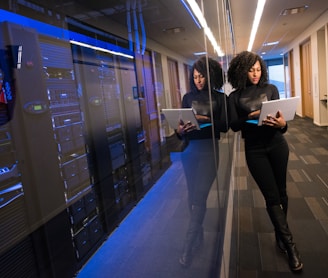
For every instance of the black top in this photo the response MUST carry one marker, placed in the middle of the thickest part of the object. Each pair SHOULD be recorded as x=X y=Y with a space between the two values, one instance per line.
x=200 y=102
x=242 y=102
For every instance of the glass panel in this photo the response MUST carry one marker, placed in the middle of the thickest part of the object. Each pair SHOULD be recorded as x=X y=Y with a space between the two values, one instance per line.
x=135 y=193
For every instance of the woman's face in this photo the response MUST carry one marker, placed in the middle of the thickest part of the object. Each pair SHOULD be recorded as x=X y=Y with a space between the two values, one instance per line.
x=199 y=80
x=254 y=73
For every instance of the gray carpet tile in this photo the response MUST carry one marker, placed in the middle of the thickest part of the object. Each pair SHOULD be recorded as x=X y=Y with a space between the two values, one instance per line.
x=255 y=253
x=148 y=242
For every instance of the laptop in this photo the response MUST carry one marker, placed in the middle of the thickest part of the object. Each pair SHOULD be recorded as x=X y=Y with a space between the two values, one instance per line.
x=286 y=105
x=174 y=115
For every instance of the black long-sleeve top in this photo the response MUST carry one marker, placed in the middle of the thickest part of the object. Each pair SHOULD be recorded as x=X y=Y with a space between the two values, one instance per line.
x=243 y=102
x=201 y=103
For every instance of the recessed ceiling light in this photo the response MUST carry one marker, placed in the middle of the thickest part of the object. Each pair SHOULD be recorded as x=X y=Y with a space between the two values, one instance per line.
x=200 y=53
x=256 y=22
x=296 y=10
x=270 y=43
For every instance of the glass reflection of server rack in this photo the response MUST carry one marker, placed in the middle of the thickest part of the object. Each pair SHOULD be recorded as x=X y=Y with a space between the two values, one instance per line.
x=67 y=121
x=54 y=186
x=14 y=227
x=13 y=221
x=113 y=121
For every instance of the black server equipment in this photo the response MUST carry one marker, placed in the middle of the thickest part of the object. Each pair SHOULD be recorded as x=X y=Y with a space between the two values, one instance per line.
x=16 y=249
x=113 y=123
x=13 y=218
x=45 y=179
x=126 y=74
x=74 y=158
x=69 y=136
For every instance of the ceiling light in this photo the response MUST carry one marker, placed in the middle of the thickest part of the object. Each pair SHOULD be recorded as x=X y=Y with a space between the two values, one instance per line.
x=296 y=10
x=256 y=22
x=101 y=49
x=270 y=43
x=191 y=14
x=200 y=53
x=196 y=12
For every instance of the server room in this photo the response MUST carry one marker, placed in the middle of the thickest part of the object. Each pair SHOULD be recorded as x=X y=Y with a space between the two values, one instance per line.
x=95 y=179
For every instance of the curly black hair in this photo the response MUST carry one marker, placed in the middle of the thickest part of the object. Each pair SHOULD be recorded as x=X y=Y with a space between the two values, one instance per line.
x=215 y=71
x=239 y=67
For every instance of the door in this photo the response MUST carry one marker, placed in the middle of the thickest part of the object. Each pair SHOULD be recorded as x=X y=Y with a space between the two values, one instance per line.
x=306 y=80
x=174 y=83
x=289 y=74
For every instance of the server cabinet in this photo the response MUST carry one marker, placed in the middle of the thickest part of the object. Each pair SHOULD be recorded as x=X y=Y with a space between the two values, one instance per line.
x=13 y=218
x=45 y=175
x=72 y=152
x=30 y=129
x=135 y=135
x=113 y=124
x=16 y=251
x=74 y=159
x=19 y=261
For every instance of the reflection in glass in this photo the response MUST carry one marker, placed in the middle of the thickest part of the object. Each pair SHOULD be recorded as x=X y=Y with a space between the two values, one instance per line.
x=115 y=84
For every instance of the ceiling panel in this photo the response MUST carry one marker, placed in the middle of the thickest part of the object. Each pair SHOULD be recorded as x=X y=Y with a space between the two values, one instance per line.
x=161 y=15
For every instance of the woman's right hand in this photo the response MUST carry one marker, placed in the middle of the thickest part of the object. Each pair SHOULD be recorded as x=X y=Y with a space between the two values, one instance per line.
x=183 y=128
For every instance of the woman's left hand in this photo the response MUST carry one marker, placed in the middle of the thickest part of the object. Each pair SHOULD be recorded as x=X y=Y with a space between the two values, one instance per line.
x=277 y=122
x=202 y=118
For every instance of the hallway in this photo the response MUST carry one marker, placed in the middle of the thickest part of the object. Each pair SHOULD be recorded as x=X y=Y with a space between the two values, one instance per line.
x=148 y=242
x=307 y=186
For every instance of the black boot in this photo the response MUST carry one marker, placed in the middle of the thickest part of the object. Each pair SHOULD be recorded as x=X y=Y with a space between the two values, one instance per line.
x=278 y=219
x=284 y=204
x=199 y=239
x=194 y=229
x=280 y=244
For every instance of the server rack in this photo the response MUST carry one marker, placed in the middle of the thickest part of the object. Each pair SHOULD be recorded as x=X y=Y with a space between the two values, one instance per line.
x=113 y=124
x=62 y=215
x=73 y=159
x=69 y=135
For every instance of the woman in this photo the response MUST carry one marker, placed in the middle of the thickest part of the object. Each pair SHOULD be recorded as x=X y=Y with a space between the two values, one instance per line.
x=266 y=149
x=200 y=158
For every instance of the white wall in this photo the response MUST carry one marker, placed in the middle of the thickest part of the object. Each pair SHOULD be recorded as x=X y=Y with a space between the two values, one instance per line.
x=310 y=33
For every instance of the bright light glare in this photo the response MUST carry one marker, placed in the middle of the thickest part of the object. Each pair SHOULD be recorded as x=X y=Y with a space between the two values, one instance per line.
x=101 y=49
x=256 y=22
x=198 y=13
x=191 y=13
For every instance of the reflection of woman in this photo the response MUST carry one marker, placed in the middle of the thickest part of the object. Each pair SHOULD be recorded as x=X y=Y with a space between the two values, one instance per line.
x=266 y=149
x=200 y=158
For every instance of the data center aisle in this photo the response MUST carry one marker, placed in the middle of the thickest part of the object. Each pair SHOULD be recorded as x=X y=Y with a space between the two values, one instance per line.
x=254 y=253
x=147 y=239
x=148 y=243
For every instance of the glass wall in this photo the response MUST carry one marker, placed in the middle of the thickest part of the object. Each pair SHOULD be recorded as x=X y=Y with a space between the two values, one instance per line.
x=94 y=176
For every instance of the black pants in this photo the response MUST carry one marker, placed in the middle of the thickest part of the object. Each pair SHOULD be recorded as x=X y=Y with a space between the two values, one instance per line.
x=199 y=162
x=267 y=162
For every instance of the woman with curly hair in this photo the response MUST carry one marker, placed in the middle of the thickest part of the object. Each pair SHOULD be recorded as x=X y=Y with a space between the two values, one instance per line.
x=200 y=158
x=266 y=149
